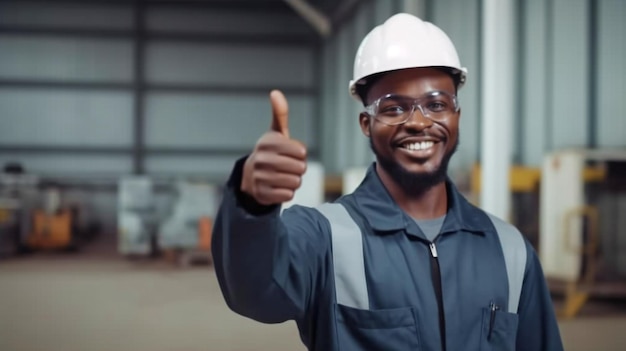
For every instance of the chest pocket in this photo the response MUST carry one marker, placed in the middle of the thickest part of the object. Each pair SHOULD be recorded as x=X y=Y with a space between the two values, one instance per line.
x=384 y=330
x=358 y=327
x=499 y=329
x=498 y=332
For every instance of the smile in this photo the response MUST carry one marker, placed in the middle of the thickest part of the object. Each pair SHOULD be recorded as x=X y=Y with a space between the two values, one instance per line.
x=423 y=145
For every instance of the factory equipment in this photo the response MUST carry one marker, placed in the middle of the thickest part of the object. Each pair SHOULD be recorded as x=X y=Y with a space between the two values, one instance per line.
x=18 y=198
x=135 y=216
x=582 y=242
x=10 y=226
x=53 y=222
x=185 y=235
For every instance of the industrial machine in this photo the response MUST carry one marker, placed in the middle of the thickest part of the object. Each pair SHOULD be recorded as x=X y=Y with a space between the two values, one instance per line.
x=53 y=222
x=10 y=226
x=135 y=216
x=18 y=199
x=194 y=201
x=582 y=242
x=34 y=214
x=185 y=235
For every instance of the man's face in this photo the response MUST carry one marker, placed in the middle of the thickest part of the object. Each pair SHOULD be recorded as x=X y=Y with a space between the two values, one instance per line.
x=414 y=154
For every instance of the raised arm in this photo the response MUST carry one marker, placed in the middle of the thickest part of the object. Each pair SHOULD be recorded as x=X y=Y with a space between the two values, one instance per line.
x=265 y=262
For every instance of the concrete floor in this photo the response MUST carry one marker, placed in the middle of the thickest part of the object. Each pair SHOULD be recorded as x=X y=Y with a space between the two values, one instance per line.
x=102 y=302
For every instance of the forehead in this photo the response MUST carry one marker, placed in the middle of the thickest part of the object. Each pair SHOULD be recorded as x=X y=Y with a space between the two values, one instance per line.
x=411 y=82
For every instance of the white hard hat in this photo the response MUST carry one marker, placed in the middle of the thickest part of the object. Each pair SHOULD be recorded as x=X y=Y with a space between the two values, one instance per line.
x=404 y=41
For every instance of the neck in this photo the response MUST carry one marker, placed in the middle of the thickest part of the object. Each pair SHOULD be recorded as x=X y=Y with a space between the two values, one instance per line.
x=429 y=203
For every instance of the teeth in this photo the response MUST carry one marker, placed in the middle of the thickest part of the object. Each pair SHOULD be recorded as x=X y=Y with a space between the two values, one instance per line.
x=419 y=146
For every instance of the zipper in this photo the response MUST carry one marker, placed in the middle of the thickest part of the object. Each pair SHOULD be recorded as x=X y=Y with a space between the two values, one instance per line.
x=436 y=278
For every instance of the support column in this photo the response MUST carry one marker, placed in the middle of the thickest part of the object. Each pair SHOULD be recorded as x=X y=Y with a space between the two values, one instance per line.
x=414 y=7
x=497 y=100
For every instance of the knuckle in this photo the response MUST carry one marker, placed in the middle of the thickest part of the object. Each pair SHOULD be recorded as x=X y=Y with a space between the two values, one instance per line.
x=289 y=195
x=262 y=196
x=259 y=183
x=298 y=182
x=255 y=159
x=260 y=159
x=266 y=161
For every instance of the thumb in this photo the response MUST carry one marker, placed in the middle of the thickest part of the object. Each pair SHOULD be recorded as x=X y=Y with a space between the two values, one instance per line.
x=280 y=112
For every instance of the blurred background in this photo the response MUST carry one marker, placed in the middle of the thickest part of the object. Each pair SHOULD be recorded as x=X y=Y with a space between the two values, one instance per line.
x=120 y=121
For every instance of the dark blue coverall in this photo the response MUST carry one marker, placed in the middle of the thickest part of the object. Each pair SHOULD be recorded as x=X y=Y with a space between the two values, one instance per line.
x=274 y=268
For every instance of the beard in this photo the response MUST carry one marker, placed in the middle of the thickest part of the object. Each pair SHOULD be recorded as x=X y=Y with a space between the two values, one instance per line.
x=414 y=183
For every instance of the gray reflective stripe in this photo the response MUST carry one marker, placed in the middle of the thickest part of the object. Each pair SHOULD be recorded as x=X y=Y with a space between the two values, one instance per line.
x=348 y=260
x=514 y=250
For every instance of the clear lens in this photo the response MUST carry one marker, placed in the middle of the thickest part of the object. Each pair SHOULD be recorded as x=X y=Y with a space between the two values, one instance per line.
x=396 y=109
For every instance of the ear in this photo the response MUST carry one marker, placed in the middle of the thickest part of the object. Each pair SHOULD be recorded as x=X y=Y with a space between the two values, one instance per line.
x=364 y=122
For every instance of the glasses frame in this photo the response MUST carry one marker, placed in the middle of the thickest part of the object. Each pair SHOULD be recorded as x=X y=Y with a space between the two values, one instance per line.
x=372 y=108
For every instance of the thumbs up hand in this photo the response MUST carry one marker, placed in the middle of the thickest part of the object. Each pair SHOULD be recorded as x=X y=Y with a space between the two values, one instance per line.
x=274 y=170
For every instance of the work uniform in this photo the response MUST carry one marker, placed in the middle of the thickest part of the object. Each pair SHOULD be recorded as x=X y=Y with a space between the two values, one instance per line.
x=274 y=267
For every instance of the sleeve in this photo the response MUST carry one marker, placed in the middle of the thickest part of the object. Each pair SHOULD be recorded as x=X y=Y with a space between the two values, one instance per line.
x=538 y=329
x=268 y=266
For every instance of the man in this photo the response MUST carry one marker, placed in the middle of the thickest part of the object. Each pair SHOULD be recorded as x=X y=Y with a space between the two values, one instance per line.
x=403 y=263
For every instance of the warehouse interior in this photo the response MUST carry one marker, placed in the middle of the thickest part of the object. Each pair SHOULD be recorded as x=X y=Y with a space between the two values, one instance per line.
x=120 y=121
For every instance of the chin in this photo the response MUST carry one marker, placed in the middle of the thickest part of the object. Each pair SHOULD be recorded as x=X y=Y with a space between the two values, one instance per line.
x=415 y=179
x=422 y=168
x=415 y=175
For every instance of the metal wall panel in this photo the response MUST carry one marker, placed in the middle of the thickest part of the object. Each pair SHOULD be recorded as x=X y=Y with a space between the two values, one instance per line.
x=341 y=115
x=66 y=15
x=362 y=155
x=211 y=167
x=75 y=59
x=230 y=65
x=222 y=121
x=460 y=20
x=343 y=144
x=415 y=7
x=382 y=9
x=76 y=165
x=535 y=80
x=65 y=118
x=555 y=74
x=569 y=74
x=70 y=79
x=611 y=93
x=329 y=138
x=181 y=20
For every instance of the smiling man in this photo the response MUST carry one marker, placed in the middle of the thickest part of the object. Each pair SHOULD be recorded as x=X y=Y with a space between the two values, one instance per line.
x=412 y=149
x=404 y=262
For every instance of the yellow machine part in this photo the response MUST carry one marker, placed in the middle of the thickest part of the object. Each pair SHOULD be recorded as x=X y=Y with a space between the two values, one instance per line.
x=5 y=215
x=526 y=179
x=51 y=231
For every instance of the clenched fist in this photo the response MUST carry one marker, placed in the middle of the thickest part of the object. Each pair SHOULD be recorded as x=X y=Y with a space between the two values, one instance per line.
x=274 y=170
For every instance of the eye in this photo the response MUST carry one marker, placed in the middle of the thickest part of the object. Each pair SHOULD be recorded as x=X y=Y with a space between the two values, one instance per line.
x=391 y=110
x=438 y=106
x=394 y=106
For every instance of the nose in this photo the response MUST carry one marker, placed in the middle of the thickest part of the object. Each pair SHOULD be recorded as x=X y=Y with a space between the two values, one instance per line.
x=417 y=118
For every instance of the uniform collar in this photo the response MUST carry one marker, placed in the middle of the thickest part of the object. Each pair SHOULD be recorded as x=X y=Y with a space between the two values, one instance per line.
x=383 y=214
